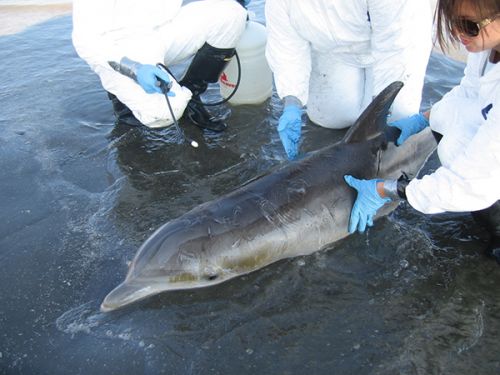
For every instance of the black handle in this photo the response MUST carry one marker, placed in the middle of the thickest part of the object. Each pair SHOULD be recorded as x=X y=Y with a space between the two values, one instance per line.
x=164 y=86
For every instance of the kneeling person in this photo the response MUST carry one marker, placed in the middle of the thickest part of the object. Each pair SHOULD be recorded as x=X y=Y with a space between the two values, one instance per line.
x=138 y=35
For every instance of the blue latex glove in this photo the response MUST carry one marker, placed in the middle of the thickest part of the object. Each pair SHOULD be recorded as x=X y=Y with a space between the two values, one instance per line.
x=289 y=128
x=147 y=78
x=366 y=205
x=409 y=126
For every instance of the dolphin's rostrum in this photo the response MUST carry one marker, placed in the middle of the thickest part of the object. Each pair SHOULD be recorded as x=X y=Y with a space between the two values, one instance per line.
x=293 y=211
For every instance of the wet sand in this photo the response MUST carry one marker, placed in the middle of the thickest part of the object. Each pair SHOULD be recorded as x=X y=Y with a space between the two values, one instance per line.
x=16 y=18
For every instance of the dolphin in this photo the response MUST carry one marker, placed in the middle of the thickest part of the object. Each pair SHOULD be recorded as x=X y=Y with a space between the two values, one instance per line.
x=295 y=210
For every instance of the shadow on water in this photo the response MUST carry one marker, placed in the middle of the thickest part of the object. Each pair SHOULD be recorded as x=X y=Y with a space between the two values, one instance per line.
x=412 y=296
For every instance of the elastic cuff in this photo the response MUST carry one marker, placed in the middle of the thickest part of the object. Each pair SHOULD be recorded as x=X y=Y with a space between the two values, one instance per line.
x=402 y=183
x=391 y=189
x=423 y=120
x=292 y=100
x=129 y=67
x=396 y=189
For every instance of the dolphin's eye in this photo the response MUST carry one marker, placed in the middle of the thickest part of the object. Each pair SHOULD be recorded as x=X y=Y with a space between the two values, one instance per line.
x=211 y=277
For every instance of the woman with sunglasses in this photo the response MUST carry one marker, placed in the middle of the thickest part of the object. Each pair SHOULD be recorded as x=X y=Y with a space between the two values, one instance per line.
x=333 y=57
x=468 y=118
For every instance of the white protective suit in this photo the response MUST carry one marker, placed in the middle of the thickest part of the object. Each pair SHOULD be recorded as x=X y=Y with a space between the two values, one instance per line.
x=468 y=117
x=334 y=56
x=150 y=32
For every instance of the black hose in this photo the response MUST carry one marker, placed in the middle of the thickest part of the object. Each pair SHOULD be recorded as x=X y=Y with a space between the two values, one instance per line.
x=238 y=80
x=234 y=90
x=165 y=88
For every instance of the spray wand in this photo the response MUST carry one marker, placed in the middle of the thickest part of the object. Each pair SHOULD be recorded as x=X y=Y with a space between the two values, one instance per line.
x=165 y=88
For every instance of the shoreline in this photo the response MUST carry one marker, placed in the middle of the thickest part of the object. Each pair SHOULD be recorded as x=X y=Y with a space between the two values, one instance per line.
x=16 y=18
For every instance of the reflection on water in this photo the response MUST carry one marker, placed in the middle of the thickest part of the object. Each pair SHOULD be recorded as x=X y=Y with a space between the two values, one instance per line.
x=412 y=296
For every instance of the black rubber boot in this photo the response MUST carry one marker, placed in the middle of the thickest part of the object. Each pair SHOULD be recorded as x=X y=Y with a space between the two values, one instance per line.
x=206 y=67
x=490 y=219
x=122 y=113
x=198 y=115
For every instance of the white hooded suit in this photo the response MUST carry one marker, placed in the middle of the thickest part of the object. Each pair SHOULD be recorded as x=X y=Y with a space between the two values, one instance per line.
x=151 y=32
x=334 y=55
x=468 y=117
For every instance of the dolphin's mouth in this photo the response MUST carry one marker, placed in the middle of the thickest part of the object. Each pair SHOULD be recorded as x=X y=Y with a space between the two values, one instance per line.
x=126 y=293
x=133 y=291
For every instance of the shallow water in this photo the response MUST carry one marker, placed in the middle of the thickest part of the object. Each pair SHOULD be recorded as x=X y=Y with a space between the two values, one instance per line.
x=414 y=295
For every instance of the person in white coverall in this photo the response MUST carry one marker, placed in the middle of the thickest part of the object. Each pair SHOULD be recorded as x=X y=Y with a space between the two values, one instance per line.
x=137 y=35
x=468 y=118
x=333 y=57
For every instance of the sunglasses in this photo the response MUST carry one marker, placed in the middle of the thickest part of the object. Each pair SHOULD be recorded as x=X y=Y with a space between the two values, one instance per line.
x=472 y=28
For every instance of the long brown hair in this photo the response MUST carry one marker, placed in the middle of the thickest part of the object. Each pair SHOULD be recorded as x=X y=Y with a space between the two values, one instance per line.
x=446 y=12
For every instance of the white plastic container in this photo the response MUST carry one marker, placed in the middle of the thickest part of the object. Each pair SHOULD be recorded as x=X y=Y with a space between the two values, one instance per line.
x=256 y=84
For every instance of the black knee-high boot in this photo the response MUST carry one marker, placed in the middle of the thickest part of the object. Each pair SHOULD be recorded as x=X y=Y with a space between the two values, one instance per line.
x=206 y=67
x=490 y=219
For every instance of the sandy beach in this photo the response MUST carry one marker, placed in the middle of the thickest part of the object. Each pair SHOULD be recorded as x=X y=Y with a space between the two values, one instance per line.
x=15 y=18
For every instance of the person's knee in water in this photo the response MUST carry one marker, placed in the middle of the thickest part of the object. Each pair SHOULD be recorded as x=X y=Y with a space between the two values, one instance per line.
x=162 y=34
x=123 y=114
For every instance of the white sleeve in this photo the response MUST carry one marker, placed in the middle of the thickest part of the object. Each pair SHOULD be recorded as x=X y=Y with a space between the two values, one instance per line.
x=288 y=54
x=469 y=84
x=472 y=180
x=91 y=22
x=442 y=119
x=105 y=30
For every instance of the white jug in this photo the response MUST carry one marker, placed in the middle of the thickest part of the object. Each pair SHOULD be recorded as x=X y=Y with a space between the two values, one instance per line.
x=256 y=83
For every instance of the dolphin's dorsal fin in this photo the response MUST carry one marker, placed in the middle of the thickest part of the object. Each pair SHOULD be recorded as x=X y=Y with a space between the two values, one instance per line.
x=374 y=118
